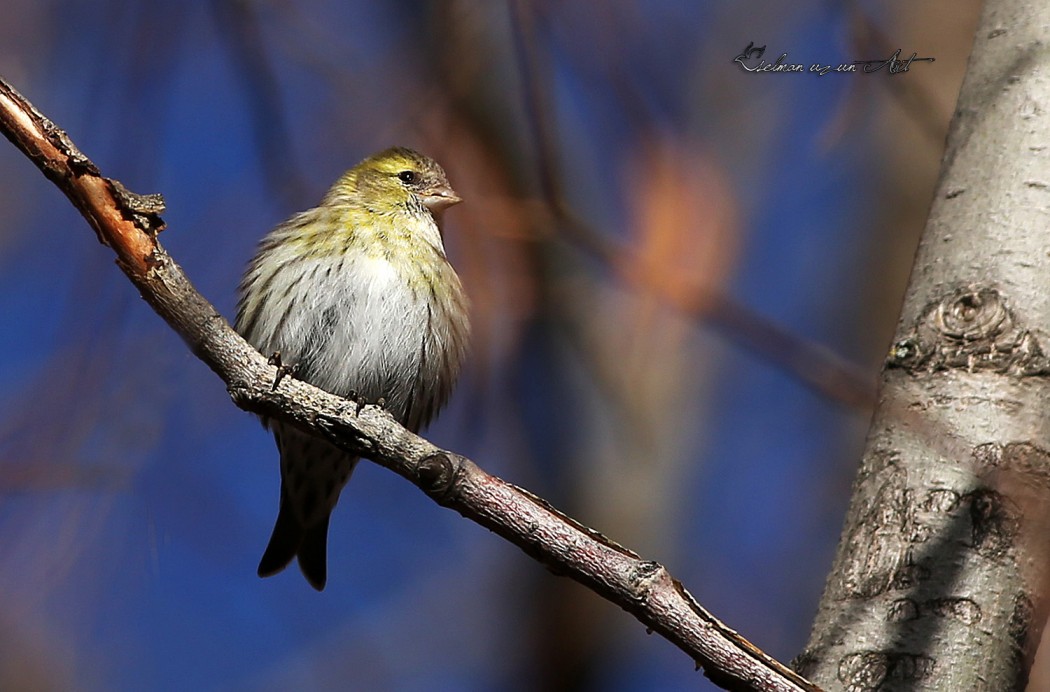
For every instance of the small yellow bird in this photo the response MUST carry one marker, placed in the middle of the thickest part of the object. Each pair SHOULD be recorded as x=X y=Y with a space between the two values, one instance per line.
x=357 y=296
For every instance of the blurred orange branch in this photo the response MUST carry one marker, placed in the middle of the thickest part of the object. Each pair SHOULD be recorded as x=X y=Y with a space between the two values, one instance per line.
x=816 y=366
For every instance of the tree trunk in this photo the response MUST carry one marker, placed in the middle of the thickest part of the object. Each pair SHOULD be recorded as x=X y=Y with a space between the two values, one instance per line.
x=938 y=583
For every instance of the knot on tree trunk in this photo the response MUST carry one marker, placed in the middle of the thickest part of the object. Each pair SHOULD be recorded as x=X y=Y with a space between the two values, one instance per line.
x=972 y=328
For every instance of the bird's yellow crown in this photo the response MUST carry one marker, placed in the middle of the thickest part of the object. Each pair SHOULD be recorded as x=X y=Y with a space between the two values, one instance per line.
x=393 y=178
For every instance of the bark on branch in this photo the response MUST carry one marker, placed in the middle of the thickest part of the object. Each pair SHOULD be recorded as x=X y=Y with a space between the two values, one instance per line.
x=128 y=223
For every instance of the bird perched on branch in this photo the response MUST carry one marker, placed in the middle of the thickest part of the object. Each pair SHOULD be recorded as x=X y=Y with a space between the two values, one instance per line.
x=357 y=297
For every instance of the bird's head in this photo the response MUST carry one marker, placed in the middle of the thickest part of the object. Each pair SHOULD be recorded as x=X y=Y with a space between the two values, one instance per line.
x=393 y=178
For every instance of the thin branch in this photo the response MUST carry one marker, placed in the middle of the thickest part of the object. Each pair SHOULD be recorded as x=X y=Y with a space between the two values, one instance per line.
x=128 y=223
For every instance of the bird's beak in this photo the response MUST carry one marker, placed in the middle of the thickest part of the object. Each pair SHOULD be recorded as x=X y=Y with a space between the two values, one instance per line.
x=440 y=198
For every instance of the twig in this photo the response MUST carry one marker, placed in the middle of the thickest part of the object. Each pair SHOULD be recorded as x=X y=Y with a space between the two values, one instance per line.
x=128 y=224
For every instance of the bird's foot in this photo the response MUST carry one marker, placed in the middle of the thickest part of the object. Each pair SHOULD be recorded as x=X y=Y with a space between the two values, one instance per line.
x=283 y=370
x=360 y=402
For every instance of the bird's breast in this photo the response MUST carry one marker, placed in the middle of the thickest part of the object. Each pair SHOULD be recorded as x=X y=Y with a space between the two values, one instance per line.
x=390 y=328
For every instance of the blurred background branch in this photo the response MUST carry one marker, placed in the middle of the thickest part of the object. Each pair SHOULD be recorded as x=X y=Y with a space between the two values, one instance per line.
x=692 y=291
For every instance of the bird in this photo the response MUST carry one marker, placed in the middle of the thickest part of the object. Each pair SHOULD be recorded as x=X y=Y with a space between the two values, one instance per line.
x=357 y=297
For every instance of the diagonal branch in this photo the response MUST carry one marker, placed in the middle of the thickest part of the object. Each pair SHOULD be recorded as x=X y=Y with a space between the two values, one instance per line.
x=128 y=224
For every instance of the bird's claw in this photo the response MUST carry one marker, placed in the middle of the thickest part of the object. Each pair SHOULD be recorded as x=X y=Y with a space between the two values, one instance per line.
x=360 y=402
x=282 y=369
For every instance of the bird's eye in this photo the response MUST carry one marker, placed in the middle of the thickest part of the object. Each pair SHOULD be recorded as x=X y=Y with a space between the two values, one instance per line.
x=407 y=176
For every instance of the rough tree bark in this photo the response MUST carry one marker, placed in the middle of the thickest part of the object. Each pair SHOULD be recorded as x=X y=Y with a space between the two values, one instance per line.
x=938 y=583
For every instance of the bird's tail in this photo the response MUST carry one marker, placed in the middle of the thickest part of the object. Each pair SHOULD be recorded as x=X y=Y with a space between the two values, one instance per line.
x=290 y=540
x=313 y=473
